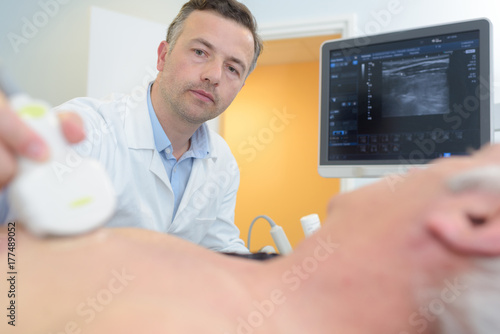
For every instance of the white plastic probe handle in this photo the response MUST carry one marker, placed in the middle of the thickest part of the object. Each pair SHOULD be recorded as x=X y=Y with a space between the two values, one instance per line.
x=37 y=115
x=281 y=240
x=310 y=224
x=60 y=196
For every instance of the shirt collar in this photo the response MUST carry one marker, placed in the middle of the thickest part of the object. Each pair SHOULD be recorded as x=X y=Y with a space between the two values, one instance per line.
x=200 y=146
x=199 y=142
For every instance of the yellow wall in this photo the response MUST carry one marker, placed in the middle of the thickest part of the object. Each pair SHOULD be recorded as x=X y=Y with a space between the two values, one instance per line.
x=272 y=129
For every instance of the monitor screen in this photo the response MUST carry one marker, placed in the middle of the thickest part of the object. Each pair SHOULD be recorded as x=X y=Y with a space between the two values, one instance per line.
x=402 y=99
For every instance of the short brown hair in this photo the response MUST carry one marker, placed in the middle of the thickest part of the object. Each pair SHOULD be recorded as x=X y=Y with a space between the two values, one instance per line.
x=230 y=9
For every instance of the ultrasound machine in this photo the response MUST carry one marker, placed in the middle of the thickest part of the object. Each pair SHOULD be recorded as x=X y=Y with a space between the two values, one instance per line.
x=399 y=100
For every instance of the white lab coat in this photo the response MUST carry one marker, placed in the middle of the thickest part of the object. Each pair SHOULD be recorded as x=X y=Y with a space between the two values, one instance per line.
x=120 y=135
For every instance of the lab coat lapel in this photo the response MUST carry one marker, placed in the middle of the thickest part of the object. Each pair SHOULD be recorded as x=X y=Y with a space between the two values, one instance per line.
x=199 y=175
x=156 y=167
x=139 y=135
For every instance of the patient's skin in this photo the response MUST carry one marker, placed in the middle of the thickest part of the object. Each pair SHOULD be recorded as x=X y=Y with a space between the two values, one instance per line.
x=384 y=254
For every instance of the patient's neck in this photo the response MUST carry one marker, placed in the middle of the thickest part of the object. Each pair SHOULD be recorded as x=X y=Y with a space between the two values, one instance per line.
x=358 y=285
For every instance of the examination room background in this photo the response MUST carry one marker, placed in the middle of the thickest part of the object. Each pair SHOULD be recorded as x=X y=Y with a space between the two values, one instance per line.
x=279 y=176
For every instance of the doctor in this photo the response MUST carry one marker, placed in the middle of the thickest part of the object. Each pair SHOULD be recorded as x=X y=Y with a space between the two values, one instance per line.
x=171 y=173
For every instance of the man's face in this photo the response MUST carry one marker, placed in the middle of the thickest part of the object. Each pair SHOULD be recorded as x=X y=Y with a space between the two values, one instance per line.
x=203 y=73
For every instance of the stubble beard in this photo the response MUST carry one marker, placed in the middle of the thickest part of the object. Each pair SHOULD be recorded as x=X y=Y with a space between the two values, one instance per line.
x=178 y=99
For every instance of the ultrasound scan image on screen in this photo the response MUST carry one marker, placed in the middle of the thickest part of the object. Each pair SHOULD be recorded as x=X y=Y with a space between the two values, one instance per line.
x=404 y=98
x=416 y=86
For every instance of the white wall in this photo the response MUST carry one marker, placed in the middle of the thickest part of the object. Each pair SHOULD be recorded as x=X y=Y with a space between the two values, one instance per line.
x=110 y=53
x=50 y=59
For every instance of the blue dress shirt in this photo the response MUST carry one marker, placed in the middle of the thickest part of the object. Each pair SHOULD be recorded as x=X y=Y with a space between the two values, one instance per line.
x=178 y=171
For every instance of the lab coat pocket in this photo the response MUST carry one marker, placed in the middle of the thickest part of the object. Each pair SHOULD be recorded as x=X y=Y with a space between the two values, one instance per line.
x=193 y=224
x=201 y=228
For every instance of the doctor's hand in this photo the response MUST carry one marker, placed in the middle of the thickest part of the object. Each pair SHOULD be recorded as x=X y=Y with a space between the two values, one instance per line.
x=16 y=138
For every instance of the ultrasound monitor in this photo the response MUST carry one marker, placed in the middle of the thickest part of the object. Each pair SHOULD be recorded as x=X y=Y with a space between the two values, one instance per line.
x=392 y=101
